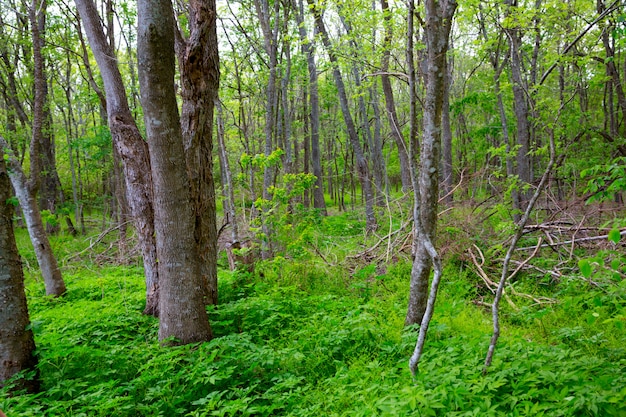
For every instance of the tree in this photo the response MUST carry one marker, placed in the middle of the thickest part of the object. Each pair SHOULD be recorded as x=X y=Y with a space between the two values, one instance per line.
x=181 y=299
x=17 y=345
x=26 y=188
x=130 y=145
x=314 y=116
x=200 y=73
x=361 y=162
x=436 y=26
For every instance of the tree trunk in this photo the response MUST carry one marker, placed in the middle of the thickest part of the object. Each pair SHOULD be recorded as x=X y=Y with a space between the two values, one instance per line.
x=521 y=113
x=181 y=300
x=390 y=105
x=26 y=188
x=270 y=42
x=51 y=194
x=200 y=73
x=361 y=162
x=426 y=187
x=131 y=147
x=227 y=183
x=447 y=174
x=17 y=345
x=314 y=102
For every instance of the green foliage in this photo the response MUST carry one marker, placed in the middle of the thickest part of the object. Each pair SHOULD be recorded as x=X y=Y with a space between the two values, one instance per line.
x=300 y=337
x=605 y=180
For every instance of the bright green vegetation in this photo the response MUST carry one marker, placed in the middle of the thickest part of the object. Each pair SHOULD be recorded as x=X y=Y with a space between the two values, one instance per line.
x=302 y=337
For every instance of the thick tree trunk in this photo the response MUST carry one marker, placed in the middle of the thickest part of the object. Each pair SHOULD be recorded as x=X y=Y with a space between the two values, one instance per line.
x=437 y=30
x=131 y=147
x=17 y=345
x=200 y=73
x=181 y=300
x=307 y=47
x=361 y=162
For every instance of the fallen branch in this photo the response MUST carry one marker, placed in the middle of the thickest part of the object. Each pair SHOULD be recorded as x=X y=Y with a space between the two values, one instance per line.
x=573 y=241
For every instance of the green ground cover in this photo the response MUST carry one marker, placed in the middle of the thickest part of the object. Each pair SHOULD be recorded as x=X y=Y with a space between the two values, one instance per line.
x=302 y=337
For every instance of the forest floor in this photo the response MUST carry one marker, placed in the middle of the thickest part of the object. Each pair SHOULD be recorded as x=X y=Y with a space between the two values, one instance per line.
x=318 y=331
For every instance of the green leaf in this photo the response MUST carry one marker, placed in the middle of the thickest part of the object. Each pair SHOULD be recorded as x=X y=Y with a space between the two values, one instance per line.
x=615 y=236
x=585 y=268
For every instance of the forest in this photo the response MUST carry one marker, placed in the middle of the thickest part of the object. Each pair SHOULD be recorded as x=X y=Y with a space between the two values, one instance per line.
x=320 y=208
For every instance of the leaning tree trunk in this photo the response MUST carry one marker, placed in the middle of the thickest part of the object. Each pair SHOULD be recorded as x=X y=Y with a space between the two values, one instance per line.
x=182 y=311
x=26 y=188
x=131 y=147
x=17 y=345
x=200 y=74
x=361 y=162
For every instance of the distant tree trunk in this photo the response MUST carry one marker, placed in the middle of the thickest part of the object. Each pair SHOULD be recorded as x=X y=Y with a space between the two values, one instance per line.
x=26 y=188
x=447 y=175
x=374 y=149
x=227 y=183
x=17 y=345
x=378 y=162
x=307 y=47
x=270 y=42
x=390 y=105
x=361 y=162
x=200 y=73
x=50 y=186
x=521 y=111
x=182 y=313
x=426 y=187
x=131 y=147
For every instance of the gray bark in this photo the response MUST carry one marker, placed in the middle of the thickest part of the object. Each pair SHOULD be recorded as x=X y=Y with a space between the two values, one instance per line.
x=227 y=183
x=426 y=184
x=390 y=105
x=131 y=147
x=314 y=116
x=17 y=345
x=270 y=43
x=199 y=68
x=437 y=25
x=361 y=162
x=522 y=114
x=182 y=311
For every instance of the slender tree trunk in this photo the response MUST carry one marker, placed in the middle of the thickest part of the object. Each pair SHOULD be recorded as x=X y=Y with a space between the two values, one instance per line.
x=131 y=147
x=17 y=345
x=521 y=112
x=390 y=105
x=50 y=189
x=182 y=311
x=229 y=194
x=361 y=162
x=270 y=42
x=26 y=188
x=447 y=175
x=314 y=117
x=426 y=185
x=199 y=68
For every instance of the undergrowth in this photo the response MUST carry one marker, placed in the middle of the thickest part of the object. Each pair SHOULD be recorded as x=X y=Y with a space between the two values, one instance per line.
x=308 y=336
